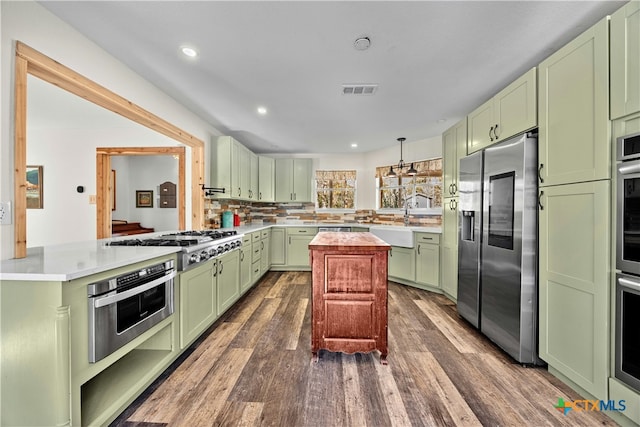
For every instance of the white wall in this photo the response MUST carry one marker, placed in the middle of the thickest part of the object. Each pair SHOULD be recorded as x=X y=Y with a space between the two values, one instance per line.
x=30 y=23
x=144 y=173
x=365 y=164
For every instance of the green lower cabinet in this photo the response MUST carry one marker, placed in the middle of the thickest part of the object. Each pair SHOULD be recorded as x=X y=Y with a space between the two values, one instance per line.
x=198 y=301
x=228 y=280
x=574 y=275
x=449 y=243
x=278 y=247
x=245 y=264
x=298 y=239
x=265 y=251
x=427 y=254
x=402 y=264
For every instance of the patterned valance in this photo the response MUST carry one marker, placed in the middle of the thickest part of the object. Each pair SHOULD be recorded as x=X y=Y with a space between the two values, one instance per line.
x=335 y=179
x=432 y=167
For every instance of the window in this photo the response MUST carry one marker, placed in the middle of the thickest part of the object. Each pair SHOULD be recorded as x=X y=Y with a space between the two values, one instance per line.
x=415 y=192
x=336 y=189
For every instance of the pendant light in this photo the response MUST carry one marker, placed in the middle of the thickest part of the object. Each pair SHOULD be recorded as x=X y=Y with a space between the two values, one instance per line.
x=411 y=171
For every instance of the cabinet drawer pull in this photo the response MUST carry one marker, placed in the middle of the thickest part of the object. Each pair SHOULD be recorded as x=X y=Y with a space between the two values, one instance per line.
x=455 y=189
x=418 y=249
x=490 y=137
x=495 y=132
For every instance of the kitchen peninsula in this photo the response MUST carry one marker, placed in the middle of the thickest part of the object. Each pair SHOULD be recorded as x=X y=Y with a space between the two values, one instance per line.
x=349 y=293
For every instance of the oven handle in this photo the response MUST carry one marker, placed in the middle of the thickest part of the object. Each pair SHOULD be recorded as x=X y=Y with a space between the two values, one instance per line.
x=629 y=283
x=628 y=168
x=107 y=300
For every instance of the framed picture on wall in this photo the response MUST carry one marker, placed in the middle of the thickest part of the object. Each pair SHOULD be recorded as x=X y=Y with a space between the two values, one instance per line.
x=144 y=198
x=34 y=187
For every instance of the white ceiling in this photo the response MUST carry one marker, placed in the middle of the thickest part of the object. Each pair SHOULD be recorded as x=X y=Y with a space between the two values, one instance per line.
x=434 y=61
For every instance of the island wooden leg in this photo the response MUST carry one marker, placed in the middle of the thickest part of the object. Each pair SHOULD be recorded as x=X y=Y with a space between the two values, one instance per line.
x=383 y=359
x=314 y=356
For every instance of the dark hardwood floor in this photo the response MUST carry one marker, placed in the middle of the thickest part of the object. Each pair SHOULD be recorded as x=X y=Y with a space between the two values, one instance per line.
x=254 y=368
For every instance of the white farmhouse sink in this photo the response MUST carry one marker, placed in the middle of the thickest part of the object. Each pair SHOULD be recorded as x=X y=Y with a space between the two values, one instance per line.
x=393 y=235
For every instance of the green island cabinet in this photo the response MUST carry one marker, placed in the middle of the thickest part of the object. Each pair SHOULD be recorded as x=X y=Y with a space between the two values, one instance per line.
x=266 y=179
x=575 y=212
x=625 y=60
x=293 y=180
x=427 y=255
x=245 y=263
x=46 y=375
x=511 y=111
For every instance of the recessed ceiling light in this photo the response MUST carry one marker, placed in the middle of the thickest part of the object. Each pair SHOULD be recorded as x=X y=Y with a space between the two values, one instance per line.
x=189 y=51
x=262 y=111
x=362 y=43
x=354 y=145
x=441 y=120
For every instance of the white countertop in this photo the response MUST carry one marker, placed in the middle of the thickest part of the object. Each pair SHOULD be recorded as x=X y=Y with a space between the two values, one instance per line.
x=74 y=260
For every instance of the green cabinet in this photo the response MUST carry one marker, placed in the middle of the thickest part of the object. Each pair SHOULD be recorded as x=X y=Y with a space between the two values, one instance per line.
x=227 y=274
x=401 y=264
x=427 y=255
x=298 y=239
x=511 y=111
x=625 y=60
x=266 y=179
x=234 y=168
x=454 y=146
x=278 y=247
x=293 y=180
x=574 y=277
x=245 y=263
x=198 y=301
x=265 y=251
x=574 y=114
x=449 y=266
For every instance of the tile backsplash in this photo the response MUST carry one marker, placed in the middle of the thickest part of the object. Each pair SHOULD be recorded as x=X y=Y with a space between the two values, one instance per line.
x=279 y=213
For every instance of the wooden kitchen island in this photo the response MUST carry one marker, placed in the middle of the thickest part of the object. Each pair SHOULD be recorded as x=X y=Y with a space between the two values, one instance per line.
x=349 y=293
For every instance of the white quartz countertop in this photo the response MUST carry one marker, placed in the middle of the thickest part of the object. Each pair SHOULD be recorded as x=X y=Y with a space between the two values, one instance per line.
x=74 y=260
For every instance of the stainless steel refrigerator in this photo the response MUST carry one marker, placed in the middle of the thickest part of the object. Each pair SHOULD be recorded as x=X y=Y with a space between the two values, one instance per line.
x=497 y=245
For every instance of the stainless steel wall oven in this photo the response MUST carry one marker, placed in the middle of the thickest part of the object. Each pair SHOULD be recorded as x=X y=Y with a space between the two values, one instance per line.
x=627 y=304
x=123 y=307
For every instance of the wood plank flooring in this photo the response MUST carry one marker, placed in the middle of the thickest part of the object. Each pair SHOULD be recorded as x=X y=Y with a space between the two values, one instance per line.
x=254 y=367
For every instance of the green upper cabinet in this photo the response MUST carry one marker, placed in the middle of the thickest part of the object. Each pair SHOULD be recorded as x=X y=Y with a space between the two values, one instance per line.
x=253 y=176
x=293 y=180
x=625 y=60
x=513 y=110
x=266 y=180
x=224 y=166
x=573 y=100
x=235 y=168
x=454 y=146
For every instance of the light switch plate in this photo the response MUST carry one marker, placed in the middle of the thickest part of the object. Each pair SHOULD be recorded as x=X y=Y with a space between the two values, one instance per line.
x=5 y=213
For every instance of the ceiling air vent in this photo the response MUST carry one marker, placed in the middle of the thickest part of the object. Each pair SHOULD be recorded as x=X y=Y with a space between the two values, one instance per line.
x=359 y=89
